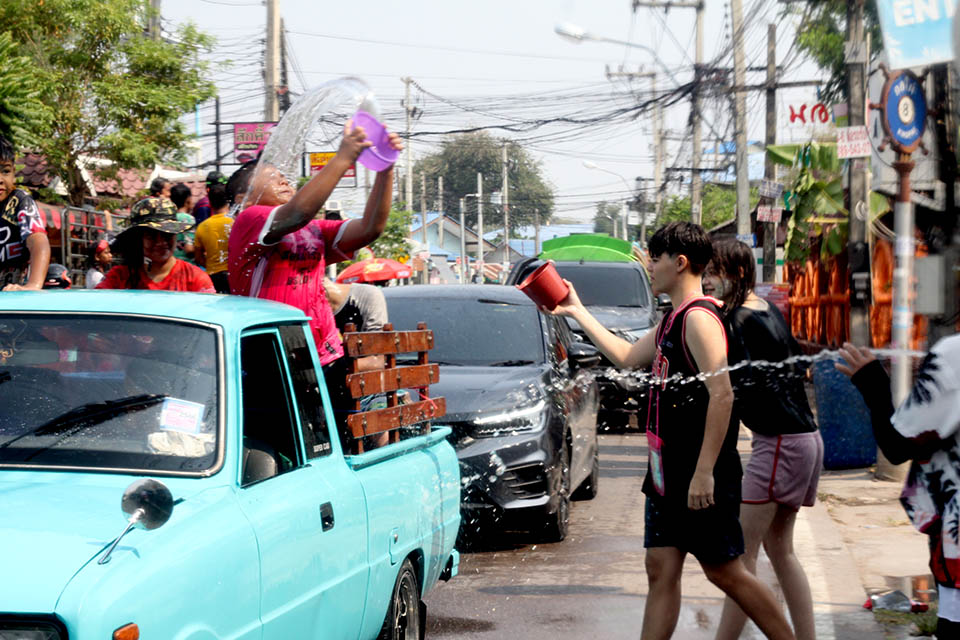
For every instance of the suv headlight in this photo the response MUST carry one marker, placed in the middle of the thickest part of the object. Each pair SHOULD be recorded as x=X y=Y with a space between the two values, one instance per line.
x=527 y=419
x=10 y=630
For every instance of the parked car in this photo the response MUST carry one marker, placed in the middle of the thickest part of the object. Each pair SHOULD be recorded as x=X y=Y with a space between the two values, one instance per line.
x=520 y=401
x=203 y=418
x=619 y=295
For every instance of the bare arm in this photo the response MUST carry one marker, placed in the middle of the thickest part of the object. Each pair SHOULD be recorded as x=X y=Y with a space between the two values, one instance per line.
x=306 y=202
x=360 y=233
x=620 y=352
x=705 y=339
x=39 y=247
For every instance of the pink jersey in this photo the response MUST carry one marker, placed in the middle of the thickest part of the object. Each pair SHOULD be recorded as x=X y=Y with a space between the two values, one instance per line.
x=290 y=271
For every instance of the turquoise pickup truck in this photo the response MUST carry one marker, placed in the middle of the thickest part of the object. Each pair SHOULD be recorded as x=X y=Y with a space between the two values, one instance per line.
x=168 y=470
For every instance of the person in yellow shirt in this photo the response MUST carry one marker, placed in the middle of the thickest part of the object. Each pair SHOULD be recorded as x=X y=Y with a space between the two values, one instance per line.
x=212 y=238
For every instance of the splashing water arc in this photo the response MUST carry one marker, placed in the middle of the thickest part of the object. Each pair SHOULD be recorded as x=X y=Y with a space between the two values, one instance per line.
x=313 y=123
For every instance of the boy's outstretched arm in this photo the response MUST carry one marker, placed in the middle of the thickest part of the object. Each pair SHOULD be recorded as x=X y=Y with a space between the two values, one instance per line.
x=620 y=352
x=360 y=233
x=305 y=203
x=707 y=343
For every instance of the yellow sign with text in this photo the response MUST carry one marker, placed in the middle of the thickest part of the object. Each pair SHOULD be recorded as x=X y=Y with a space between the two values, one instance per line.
x=319 y=159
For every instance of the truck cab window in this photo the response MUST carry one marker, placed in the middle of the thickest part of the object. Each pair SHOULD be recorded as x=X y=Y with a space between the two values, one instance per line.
x=313 y=420
x=269 y=436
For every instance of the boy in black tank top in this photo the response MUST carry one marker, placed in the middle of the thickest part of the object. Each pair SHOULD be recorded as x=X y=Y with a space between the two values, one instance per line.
x=692 y=485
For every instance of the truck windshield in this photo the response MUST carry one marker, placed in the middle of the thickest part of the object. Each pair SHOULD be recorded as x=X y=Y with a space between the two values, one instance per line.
x=107 y=392
x=606 y=286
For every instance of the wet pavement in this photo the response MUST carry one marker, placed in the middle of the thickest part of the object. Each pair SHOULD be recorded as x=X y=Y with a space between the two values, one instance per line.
x=593 y=584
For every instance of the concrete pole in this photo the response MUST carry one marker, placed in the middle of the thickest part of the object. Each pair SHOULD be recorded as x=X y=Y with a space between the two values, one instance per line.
x=271 y=75
x=505 y=190
x=153 y=23
x=657 y=167
x=409 y=176
x=464 y=259
x=425 y=276
x=858 y=251
x=770 y=169
x=480 y=225
x=216 y=147
x=740 y=116
x=440 y=201
x=696 y=212
x=536 y=233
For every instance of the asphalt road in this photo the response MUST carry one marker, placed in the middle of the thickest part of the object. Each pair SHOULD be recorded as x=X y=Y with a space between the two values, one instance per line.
x=593 y=585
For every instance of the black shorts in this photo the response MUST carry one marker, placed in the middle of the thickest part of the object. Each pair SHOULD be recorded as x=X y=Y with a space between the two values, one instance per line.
x=713 y=535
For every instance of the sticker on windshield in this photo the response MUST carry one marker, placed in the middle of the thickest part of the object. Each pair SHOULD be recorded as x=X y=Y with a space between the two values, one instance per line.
x=181 y=415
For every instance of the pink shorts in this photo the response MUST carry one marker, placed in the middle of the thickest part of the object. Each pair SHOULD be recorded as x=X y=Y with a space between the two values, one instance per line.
x=784 y=469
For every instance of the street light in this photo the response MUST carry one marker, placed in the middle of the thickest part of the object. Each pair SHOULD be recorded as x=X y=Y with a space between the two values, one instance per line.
x=577 y=34
x=593 y=165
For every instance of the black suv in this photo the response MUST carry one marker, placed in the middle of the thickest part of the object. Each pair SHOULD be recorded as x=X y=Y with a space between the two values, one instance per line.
x=618 y=294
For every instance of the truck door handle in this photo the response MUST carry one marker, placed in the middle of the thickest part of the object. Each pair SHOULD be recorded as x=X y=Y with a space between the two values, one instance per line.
x=326 y=516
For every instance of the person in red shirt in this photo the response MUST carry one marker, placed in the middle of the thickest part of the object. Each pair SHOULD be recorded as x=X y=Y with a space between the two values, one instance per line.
x=146 y=247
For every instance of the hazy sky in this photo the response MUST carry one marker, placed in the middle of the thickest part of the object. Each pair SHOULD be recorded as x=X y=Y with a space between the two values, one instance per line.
x=497 y=62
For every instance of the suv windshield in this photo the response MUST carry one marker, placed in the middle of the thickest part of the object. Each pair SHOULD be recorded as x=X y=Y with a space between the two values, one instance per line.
x=473 y=332
x=106 y=392
x=598 y=285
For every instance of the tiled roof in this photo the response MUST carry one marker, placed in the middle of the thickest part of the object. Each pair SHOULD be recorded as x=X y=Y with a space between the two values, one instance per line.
x=198 y=188
x=128 y=184
x=34 y=172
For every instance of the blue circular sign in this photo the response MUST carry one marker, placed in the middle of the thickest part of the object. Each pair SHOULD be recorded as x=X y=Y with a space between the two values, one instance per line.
x=905 y=111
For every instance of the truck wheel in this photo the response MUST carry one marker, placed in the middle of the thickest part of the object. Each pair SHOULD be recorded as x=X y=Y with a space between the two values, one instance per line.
x=557 y=523
x=403 y=620
x=588 y=490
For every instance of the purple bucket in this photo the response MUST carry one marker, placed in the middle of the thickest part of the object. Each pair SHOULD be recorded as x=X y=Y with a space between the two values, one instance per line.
x=381 y=155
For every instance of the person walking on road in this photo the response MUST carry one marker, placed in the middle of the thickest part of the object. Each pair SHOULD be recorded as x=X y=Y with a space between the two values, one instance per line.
x=925 y=431
x=784 y=467
x=213 y=237
x=692 y=485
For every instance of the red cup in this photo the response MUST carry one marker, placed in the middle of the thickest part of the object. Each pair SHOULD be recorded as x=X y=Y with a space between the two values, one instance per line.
x=545 y=286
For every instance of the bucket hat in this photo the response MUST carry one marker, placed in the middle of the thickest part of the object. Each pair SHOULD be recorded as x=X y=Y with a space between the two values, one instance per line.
x=155 y=213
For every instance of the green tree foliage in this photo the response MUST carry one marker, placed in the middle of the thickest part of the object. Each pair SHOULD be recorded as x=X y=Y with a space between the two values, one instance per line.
x=24 y=117
x=118 y=94
x=719 y=205
x=822 y=34
x=607 y=219
x=459 y=160
x=392 y=243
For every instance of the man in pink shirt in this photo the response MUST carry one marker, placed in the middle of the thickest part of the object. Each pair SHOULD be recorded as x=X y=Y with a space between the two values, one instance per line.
x=278 y=251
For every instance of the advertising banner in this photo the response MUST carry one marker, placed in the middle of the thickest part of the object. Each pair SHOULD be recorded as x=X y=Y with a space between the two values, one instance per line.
x=853 y=142
x=917 y=33
x=766 y=213
x=249 y=139
x=319 y=159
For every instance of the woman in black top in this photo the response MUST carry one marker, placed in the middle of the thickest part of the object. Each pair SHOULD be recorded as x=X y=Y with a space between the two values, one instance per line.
x=787 y=452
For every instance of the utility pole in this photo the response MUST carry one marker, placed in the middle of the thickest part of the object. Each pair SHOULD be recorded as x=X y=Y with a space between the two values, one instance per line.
x=153 y=23
x=464 y=258
x=657 y=130
x=770 y=169
x=216 y=148
x=425 y=276
x=740 y=117
x=505 y=190
x=536 y=233
x=271 y=107
x=284 y=89
x=858 y=251
x=409 y=177
x=696 y=190
x=696 y=184
x=480 y=225
x=440 y=201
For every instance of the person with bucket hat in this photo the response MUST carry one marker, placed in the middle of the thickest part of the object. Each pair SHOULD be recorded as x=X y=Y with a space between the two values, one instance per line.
x=146 y=250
